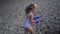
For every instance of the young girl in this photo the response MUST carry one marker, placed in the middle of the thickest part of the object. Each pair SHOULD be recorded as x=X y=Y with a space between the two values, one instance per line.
x=29 y=18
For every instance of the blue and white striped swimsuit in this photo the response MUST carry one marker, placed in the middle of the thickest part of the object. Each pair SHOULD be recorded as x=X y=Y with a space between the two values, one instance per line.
x=27 y=21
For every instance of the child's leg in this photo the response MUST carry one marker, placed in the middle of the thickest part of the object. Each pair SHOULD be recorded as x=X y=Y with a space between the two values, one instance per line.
x=30 y=29
x=26 y=31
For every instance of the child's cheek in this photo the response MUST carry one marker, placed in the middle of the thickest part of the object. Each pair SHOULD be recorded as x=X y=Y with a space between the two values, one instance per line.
x=35 y=9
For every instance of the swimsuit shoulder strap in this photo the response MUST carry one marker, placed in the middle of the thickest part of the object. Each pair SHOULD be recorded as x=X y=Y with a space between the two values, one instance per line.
x=29 y=14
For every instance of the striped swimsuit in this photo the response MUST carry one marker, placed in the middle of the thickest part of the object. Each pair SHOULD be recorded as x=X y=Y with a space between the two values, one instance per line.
x=27 y=21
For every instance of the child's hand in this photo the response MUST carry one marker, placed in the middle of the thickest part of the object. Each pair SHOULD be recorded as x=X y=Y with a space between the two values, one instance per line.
x=36 y=18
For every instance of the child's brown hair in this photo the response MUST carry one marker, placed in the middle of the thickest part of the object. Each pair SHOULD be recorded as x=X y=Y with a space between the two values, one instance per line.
x=30 y=7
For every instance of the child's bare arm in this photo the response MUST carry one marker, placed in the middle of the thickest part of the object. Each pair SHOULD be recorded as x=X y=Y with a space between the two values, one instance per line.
x=31 y=19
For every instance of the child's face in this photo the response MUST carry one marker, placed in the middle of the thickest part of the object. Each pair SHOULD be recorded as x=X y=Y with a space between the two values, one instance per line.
x=34 y=9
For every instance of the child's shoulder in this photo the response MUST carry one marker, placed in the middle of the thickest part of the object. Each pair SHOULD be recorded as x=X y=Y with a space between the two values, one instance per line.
x=30 y=13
